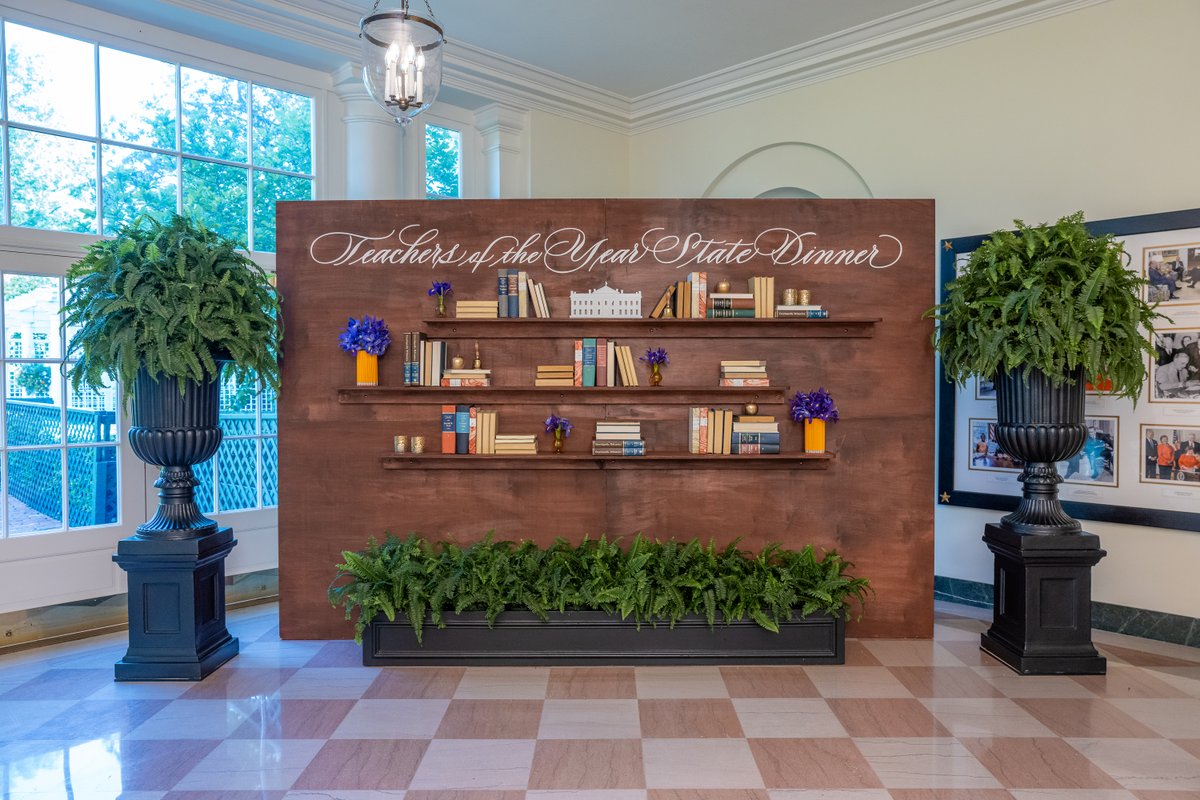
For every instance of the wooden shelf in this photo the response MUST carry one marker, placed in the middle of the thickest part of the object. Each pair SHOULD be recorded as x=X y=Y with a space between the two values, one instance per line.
x=533 y=328
x=533 y=395
x=587 y=461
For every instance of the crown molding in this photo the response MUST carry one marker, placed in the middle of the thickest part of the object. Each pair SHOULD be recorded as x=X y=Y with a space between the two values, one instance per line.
x=330 y=28
x=934 y=25
x=501 y=79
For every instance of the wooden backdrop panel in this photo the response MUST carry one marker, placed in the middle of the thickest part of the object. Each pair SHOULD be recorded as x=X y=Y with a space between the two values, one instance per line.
x=874 y=504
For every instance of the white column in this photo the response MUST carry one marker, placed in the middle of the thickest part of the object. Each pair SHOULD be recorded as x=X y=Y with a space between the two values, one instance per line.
x=374 y=141
x=503 y=135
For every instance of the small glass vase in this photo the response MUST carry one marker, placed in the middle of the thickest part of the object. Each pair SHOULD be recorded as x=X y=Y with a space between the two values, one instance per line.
x=558 y=442
x=441 y=305
x=656 y=374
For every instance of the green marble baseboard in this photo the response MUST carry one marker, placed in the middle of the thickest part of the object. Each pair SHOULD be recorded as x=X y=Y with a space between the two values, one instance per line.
x=1157 y=625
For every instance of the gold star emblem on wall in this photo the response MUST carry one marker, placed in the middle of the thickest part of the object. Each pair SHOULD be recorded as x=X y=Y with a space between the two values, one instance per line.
x=946 y=245
x=945 y=497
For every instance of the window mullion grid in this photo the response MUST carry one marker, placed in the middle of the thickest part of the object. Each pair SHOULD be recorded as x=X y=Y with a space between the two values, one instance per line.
x=178 y=139
x=250 y=167
x=3 y=399
x=64 y=433
x=7 y=188
x=99 y=229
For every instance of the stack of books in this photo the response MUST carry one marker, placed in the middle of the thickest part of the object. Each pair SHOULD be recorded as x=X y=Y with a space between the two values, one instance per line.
x=685 y=299
x=537 y=300
x=475 y=309
x=755 y=435
x=731 y=305
x=763 y=291
x=424 y=360
x=626 y=368
x=744 y=373
x=486 y=432
x=710 y=431
x=517 y=295
x=803 y=312
x=516 y=444
x=618 y=438
x=467 y=377
x=460 y=430
x=555 y=375
x=601 y=362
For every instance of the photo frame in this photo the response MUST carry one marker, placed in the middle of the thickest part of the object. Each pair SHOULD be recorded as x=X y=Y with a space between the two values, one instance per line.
x=1110 y=482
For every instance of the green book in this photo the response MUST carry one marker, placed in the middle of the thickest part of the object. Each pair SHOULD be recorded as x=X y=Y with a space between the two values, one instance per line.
x=589 y=362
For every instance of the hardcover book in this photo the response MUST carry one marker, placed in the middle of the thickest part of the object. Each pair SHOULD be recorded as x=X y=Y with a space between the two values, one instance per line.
x=589 y=361
x=514 y=294
x=473 y=431
x=448 y=419
x=462 y=429
x=579 y=362
x=502 y=293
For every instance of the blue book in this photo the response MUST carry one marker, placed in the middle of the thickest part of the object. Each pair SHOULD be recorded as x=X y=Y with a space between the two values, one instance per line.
x=756 y=438
x=748 y=448
x=589 y=362
x=462 y=429
x=514 y=294
x=502 y=292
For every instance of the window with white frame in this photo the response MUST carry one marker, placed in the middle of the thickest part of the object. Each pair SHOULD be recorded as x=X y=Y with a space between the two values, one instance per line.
x=91 y=136
x=443 y=163
x=95 y=135
x=59 y=450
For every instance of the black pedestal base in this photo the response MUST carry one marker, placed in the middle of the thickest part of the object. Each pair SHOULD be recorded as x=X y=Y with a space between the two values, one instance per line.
x=1042 y=607
x=176 y=607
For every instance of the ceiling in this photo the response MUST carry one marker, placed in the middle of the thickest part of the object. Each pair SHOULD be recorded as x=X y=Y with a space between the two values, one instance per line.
x=635 y=47
x=626 y=48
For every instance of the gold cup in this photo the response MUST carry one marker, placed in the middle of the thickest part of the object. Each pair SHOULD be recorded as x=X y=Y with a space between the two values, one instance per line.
x=418 y=444
x=400 y=444
x=804 y=296
x=789 y=297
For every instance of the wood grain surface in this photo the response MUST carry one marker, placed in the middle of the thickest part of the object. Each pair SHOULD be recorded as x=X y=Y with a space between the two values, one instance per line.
x=873 y=502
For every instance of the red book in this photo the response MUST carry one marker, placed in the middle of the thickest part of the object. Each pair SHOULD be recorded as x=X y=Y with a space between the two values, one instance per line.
x=579 y=362
x=448 y=429
x=473 y=432
x=601 y=362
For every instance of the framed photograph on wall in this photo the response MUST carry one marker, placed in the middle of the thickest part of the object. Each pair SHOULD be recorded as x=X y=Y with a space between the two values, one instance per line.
x=1117 y=476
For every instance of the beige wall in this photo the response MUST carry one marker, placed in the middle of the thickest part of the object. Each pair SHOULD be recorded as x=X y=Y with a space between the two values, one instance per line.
x=1096 y=109
x=574 y=159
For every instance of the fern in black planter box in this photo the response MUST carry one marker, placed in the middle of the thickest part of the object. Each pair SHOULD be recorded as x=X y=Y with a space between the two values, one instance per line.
x=650 y=582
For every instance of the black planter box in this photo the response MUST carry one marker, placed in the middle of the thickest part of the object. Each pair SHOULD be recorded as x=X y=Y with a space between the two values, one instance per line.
x=597 y=638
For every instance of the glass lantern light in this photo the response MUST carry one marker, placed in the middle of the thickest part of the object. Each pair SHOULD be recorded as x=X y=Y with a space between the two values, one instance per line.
x=402 y=59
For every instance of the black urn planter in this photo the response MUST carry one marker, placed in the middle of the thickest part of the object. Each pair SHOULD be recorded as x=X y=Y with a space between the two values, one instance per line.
x=600 y=638
x=176 y=560
x=1042 y=606
x=174 y=431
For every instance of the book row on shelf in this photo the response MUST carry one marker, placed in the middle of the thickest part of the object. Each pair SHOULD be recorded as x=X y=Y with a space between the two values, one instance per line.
x=597 y=362
x=470 y=430
x=718 y=431
x=520 y=296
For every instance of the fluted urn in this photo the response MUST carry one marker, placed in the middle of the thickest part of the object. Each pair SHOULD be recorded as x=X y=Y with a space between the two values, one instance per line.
x=1041 y=424
x=174 y=431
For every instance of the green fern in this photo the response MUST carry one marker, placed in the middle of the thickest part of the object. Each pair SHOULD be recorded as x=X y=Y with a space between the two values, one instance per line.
x=650 y=582
x=1051 y=298
x=174 y=298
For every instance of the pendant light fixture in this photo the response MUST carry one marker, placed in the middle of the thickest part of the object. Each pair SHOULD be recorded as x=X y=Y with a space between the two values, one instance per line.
x=402 y=59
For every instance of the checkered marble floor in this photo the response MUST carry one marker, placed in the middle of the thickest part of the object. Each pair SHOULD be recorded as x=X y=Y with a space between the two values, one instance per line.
x=902 y=720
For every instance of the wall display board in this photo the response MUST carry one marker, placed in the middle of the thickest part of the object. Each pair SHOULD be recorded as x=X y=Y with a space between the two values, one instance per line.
x=1139 y=464
x=869 y=263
